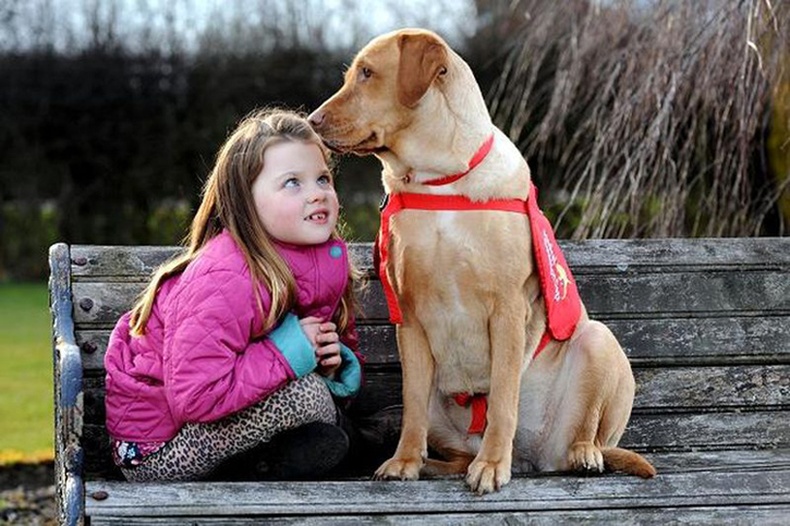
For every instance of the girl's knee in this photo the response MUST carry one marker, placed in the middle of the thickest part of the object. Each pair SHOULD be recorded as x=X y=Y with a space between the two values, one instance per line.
x=315 y=401
x=303 y=400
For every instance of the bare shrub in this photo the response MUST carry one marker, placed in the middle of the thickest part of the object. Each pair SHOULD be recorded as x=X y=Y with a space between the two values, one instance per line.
x=648 y=119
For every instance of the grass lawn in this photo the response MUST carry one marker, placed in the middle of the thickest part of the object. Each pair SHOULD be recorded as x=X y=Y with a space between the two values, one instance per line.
x=26 y=397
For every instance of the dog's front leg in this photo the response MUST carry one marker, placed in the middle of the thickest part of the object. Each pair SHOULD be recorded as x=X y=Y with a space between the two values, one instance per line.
x=490 y=469
x=418 y=368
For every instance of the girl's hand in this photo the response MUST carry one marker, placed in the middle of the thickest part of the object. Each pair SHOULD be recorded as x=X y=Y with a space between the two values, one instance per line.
x=312 y=328
x=325 y=341
x=328 y=353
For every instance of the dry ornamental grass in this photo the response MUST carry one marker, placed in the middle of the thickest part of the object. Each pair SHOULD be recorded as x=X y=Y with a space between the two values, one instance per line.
x=652 y=119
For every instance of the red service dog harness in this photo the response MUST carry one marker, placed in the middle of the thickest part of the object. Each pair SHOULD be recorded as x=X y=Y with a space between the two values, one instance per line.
x=561 y=296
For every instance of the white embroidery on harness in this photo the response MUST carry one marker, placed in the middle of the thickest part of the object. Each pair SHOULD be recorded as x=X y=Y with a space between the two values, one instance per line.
x=554 y=269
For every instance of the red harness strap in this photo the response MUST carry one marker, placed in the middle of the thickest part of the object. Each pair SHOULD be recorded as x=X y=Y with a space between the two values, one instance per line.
x=479 y=408
x=561 y=296
x=479 y=401
x=396 y=202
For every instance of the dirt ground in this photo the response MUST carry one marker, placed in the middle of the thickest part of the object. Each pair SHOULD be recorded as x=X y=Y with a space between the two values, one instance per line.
x=27 y=494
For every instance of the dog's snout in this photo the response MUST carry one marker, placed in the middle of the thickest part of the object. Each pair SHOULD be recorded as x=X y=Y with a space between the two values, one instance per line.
x=316 y=119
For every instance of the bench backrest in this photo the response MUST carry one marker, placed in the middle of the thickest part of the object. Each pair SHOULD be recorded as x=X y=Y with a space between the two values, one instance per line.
x=705 y=323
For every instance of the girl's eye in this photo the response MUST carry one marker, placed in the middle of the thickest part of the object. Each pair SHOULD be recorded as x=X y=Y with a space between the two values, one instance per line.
x=325 y=180
x=293 y=182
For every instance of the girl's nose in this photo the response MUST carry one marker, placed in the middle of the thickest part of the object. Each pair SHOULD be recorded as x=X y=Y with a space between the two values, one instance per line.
x=316 y=194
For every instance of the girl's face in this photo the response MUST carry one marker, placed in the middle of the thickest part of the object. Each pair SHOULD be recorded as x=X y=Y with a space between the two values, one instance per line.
x=295 y=195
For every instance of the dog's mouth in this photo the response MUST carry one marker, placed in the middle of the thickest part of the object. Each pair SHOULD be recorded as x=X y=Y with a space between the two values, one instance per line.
x=367 y=146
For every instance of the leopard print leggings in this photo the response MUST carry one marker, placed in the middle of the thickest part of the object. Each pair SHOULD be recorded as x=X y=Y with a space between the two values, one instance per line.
x=198 y=449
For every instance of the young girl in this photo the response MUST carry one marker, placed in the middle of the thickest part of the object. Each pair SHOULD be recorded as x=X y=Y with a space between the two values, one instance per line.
x=248 y=335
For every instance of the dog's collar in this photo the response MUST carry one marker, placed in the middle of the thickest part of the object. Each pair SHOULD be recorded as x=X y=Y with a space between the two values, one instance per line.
x=476 y=159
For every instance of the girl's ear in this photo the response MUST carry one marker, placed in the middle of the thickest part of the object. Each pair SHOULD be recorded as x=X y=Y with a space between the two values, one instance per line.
x=422 y=59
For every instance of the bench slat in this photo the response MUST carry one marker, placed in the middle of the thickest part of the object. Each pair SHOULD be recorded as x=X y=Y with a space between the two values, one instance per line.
x=437 y=496
x=94 y=261
x=756 y=291
x=139 y=262
x=99 y=305
x=765 y=515
x=664 y=432
x=661 y=393
x=690 y=389
x=713 y=387
x=697 y=341
x=745 y=486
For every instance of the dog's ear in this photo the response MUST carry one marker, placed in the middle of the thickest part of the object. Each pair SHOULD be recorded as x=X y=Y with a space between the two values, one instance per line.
x=422 y=59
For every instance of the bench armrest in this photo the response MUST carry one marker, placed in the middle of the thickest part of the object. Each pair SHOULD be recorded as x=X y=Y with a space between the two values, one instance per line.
x=68 y=391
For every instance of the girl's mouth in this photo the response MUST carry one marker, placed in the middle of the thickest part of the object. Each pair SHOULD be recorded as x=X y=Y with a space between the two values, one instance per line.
x=318 y=217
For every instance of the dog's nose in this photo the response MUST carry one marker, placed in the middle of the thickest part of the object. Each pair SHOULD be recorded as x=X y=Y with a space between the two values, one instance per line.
x=316 y=118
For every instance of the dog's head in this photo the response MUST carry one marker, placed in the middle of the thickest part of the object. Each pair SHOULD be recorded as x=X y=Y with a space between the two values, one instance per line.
x=402 y=91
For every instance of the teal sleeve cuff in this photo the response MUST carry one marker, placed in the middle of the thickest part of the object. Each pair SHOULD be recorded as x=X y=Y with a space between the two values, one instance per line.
x=292 y=342
x=348 y=379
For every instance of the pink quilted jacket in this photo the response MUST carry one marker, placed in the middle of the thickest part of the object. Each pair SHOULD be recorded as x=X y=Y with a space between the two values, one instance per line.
x=198 y=360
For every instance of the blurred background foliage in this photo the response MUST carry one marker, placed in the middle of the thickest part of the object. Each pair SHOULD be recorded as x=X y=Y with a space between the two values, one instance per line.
x=638 y=118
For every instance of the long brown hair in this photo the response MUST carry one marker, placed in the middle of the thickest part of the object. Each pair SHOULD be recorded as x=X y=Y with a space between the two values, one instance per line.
x=227 y=203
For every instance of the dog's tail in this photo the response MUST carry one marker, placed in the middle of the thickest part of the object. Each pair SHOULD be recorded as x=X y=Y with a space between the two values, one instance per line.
x=619 y=459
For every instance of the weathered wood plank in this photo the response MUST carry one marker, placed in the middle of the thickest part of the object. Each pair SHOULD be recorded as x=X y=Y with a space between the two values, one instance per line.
x=713 y=387
x=717 y=340
x=658 y=389
x=98 y=464
x=68 y=386
x=524 y=493
x=139 y=262
x=688 y=389
x=704 y=431
x=378 y=342
x=687 y=292
x=664 y=432
x=118 y=261
x=764 y=515
x=734 y=253
x=730 y=461
x=100 y=304
x=649 y=343
x=92 y=261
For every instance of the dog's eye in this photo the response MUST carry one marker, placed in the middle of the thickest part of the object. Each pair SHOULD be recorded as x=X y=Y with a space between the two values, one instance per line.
x=366 y=73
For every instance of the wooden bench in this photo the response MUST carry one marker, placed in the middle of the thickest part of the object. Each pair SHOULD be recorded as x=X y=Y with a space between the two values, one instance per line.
x=706 y=324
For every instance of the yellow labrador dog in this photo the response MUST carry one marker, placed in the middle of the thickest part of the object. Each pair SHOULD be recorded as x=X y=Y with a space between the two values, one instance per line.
x=463 y=282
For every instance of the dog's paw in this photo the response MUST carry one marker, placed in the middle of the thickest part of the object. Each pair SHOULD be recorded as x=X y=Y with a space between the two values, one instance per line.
x=399 y=468
x=585 y=457
x=486 y=476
